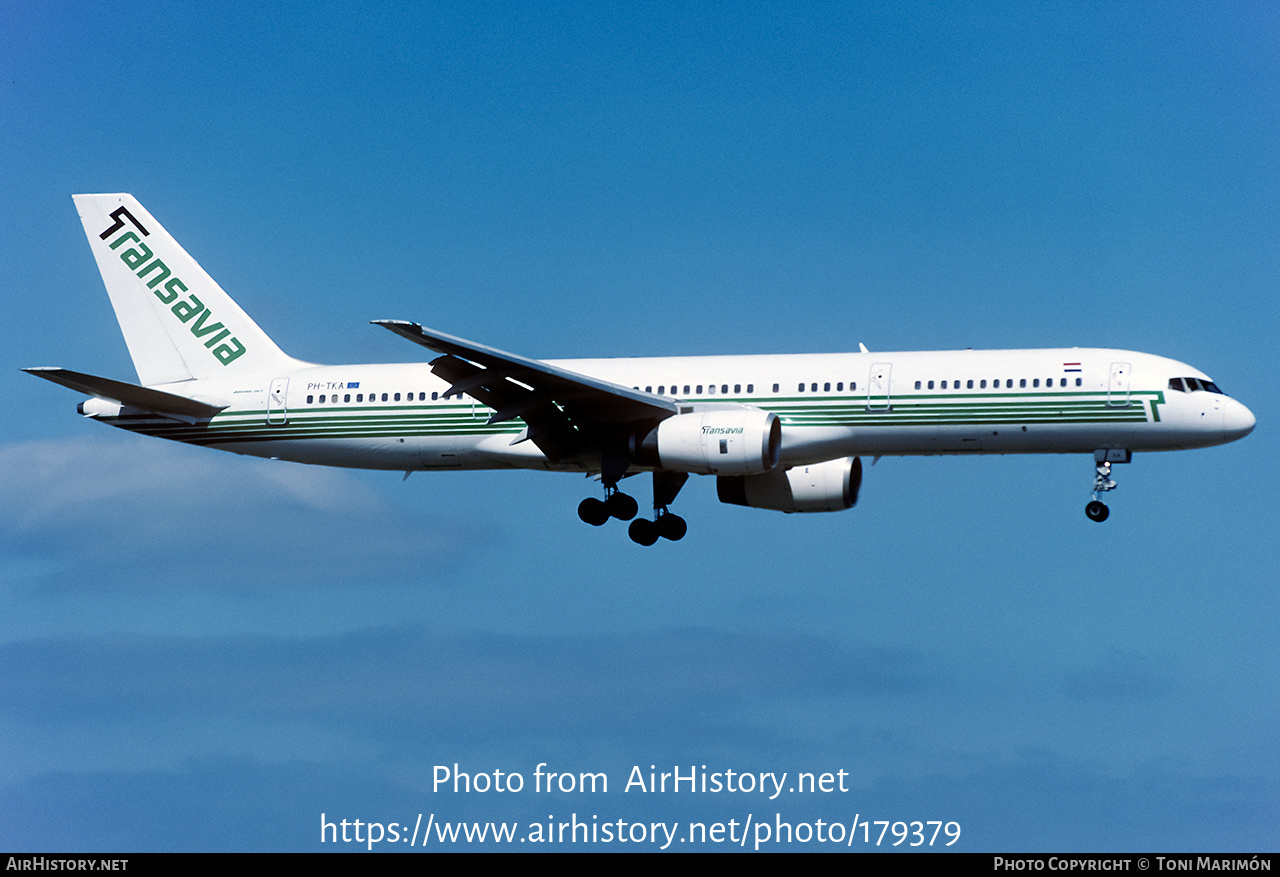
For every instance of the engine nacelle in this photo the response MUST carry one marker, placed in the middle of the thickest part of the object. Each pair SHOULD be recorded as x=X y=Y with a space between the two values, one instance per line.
x=733 y=441
x=823 y=487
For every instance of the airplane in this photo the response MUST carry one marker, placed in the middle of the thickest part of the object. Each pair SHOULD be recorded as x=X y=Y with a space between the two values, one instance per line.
x=785 y=433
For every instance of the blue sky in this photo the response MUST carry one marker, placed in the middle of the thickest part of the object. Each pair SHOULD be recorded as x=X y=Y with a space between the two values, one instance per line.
x=203 y=651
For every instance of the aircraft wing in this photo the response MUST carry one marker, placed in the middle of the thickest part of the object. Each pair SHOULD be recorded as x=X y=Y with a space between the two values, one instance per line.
x=563 y=409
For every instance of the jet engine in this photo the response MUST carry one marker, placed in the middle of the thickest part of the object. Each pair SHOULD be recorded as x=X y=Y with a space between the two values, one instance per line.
x=734 y=441
x=823 y=487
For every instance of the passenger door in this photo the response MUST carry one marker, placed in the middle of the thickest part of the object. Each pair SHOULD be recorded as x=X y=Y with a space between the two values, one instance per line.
x=878 y=387
x=277 y=396
x=1118 y=386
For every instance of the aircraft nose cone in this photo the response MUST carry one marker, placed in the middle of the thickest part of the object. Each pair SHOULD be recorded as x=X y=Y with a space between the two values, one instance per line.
x=1237 y=421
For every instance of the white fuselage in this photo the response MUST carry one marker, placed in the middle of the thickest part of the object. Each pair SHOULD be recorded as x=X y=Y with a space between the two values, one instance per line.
x=1070 y=400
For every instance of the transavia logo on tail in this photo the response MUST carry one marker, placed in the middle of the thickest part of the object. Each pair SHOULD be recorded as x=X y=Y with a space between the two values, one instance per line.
x=189 y=310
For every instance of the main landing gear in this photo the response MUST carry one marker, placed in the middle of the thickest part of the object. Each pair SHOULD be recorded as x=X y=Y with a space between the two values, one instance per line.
x=665 y=524
x=615 y=504
x=1097 y=510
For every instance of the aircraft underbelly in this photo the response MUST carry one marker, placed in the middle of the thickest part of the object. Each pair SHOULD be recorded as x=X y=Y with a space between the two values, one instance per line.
x=409 y=453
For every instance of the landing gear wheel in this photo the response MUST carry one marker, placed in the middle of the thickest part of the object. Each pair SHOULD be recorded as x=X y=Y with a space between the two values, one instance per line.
x=621 y=506
x=672 y=527
x=1097 y=511
x=643 y=531
x=593 y=511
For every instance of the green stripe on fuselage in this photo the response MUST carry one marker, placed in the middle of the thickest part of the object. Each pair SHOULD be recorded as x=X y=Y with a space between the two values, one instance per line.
x=466 y=419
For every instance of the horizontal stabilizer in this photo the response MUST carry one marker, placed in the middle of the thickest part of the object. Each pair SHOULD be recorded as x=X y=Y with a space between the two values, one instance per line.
x=127 y=394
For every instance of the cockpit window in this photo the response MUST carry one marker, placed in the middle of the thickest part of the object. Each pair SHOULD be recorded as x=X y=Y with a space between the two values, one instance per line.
x=1192 y=385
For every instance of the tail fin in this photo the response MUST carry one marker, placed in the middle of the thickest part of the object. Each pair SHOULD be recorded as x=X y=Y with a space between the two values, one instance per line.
x=179 y=324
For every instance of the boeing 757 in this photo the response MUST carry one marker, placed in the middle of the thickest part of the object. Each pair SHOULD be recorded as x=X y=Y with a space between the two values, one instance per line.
x=785 y=433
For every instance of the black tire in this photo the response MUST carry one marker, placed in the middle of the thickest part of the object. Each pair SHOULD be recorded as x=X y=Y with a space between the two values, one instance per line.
x=643 y=531
x=593 y=511
x=1097 y=511
x=672 y=527
x=622 y=507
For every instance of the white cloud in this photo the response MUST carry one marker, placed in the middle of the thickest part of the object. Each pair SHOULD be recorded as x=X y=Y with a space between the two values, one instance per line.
x=120 y=511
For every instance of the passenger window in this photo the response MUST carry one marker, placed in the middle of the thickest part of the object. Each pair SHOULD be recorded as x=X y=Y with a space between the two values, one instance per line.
x=917 y=385
x=434 y=396
x=775 y=388
x=346 y=397
x=840 y=387
x=711 y=389
x=724 y=388
x=814 y=387
x=686 y=389
x=931 y=385
x=311 y=399
x=737 y=388
x=969 y=385
x=826 y=388
x=698 y=390
x=944 y=385
x=1022 y=383
x=982 y=385
x=1078 y=382
x=648 y=389
x=751 y=388
x=800 y=388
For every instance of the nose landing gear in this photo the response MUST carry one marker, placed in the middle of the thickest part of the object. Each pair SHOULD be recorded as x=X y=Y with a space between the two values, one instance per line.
x=1097 y=510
